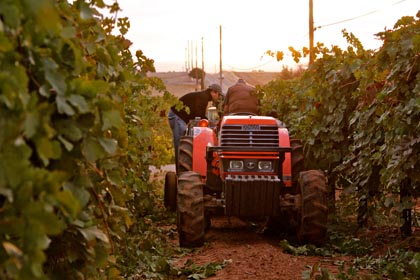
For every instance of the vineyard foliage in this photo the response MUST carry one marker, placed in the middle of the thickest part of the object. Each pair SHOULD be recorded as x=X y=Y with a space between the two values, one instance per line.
x=358 y=112
x=79 y=128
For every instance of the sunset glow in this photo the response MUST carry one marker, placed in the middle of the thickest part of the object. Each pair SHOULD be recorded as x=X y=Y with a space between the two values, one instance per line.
x=170 y=31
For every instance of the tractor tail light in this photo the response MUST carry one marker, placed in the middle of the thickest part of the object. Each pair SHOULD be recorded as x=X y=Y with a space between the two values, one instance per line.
x=203 y=123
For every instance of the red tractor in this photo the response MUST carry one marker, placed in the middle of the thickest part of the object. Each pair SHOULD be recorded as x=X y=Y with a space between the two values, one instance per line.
x=245 y=166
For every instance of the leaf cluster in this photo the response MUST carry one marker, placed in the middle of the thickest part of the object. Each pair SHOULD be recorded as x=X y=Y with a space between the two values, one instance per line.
x=357 y=113
x=79 y=128
x=196 y=272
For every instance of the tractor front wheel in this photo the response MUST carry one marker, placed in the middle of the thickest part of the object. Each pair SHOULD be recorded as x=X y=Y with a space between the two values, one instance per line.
x=190 y=212
x=170 y=190
x=185 y=154
x=314 y=208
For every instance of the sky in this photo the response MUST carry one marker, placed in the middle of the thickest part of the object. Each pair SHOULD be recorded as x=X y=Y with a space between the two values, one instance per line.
x=177 y=34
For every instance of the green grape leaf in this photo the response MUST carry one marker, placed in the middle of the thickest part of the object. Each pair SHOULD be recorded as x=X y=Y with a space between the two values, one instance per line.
x=68 y=32
x=80 y=103
x=81 y=194
x=63 y=107
x=70 y=205
x=111 y=118
x=56 y=80
x=69 y=129
x=67 y=144
x=110 y=145
x=92 y=149
x=47 y=149
x=31 y=124
x=114 y=177
x=92 y=233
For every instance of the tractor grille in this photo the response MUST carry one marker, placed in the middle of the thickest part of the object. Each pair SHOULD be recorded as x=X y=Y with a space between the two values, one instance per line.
x=249 y=135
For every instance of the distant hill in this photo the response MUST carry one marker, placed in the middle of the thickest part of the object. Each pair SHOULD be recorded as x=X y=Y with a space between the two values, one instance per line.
x=257 y=78
x=179 y=83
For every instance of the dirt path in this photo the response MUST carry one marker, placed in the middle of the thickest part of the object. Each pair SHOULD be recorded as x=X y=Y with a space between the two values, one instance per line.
x=251 y=255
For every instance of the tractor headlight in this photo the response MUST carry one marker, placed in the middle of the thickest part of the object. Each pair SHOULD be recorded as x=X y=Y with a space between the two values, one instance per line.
x=236 y=164
x=265 y=165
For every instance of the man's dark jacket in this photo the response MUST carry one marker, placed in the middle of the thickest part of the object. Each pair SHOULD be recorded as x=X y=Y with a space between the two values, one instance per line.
x=241 y=98
x=197 y=102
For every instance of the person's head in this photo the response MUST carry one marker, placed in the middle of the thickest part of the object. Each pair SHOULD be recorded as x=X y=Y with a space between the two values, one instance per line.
x=241 y=81
x=215 y=91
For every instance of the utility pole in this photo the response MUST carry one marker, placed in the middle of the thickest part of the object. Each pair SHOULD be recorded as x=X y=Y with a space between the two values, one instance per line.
x=311 y=32
x=202 y=63
x=188 y=56
x=186 y=60
x=196 y=66
x=192 y=54
x=220 y=70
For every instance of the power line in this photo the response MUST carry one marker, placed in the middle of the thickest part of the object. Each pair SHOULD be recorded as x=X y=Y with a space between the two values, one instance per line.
x=251 y=68
x=286 y=55
x=357 y=17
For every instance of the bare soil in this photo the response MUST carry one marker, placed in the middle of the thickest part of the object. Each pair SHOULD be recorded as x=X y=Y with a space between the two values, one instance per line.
x=251 y=254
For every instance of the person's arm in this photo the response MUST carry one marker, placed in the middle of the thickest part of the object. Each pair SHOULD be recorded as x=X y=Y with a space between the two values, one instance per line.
x=225 y=109
x=186 y=114
x=203 y=111
x=226 y=104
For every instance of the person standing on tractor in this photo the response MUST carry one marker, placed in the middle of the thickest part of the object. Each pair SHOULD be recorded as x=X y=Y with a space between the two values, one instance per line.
x=195 y=105
x=241 y=98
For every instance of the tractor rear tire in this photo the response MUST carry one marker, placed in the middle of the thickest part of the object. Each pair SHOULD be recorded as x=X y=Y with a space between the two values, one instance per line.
x=170 y=191
x=185 y=154
x=298 y=163
x=287 y=221
x=314 y=208
x=190 y=211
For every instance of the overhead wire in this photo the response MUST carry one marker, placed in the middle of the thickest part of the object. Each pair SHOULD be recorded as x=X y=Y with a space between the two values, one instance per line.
x=321 y=26
x=251 y=68
x=357 y=17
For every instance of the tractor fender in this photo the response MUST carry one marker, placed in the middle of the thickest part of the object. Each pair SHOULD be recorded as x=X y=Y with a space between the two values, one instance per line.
x=202 y=137
x=284 y=141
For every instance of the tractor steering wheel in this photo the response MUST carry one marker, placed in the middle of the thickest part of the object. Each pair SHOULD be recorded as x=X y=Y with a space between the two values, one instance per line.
x=242 y=114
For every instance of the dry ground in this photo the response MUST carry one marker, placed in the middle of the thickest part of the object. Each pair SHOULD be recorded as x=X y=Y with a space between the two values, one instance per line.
x=252 y=254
